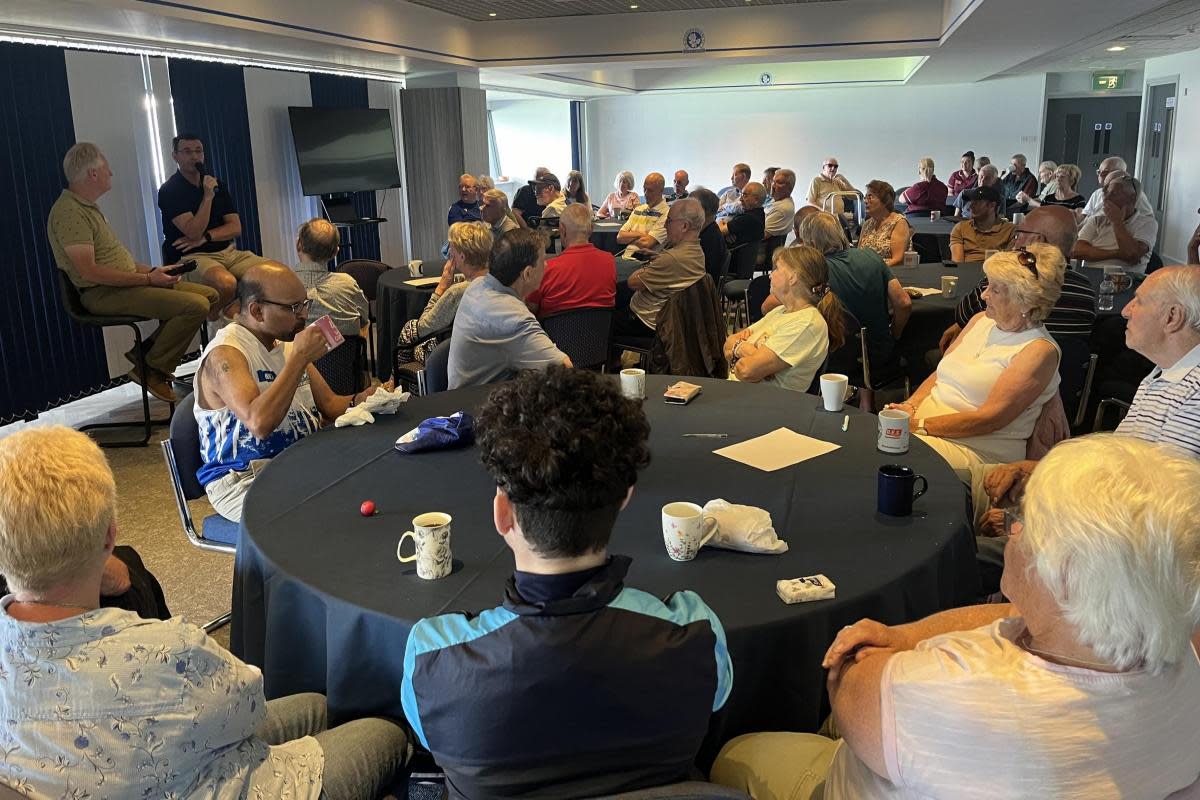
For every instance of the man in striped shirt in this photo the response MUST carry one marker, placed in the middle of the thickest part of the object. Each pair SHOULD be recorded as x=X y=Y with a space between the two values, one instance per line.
x=1075 y=311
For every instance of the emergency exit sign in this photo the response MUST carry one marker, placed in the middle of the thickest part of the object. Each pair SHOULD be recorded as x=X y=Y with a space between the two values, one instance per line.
x=1107 y=81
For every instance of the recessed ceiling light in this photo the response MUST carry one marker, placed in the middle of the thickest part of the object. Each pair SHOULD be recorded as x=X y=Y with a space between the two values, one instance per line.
x=1116 y=48
x=634 y=5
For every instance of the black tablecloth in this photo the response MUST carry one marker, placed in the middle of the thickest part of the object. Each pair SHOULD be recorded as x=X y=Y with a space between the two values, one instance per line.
x=321 y=604
x=604 y=236
x=941 y=227
x=395 y=304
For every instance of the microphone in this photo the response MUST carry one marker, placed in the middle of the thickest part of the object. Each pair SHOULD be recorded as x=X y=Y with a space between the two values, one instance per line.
x=200 y=168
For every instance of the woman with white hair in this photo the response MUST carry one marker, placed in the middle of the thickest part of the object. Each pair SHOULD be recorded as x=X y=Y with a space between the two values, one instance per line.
x=623 y=200
x=788 y=345
x=981 y=404
x=1086 y=685
x=927 y=194
x=99 y=702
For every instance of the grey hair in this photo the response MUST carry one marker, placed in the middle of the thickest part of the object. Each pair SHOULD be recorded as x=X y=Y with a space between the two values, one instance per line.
x=1110 y=530
x=824 y=232
x=1181 y=285
x=691 y=211
x=788 y=175
x=1020 y=157
x=1040 y=295
x=708 y=200
x=757 y=190
x=623 y=176
x=499 y=196
x=485 y=182
x=1116 y=163
x=990 y=169
x=79 y=159
x=1050 y=165
x=577 y=217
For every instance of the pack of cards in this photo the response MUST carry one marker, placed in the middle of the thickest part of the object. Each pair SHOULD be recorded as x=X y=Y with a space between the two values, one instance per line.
x=804 y=590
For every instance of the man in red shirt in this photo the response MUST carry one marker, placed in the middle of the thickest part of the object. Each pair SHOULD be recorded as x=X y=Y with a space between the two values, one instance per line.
x=582 y=276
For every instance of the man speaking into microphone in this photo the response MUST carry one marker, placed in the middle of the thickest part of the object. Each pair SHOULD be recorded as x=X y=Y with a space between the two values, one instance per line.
x=200 y=221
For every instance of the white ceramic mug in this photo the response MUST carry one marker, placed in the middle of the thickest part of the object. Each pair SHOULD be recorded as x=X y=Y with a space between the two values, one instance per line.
x=431 y=542
x=893 y=430
x=911 y=258
x=633 y=383
x=935 y=215
x=686 y=528
x=414 y=268
x=833 y=390
x=949 y=284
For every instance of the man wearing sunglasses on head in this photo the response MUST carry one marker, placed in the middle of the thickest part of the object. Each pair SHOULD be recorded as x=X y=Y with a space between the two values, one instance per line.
x=257 y=391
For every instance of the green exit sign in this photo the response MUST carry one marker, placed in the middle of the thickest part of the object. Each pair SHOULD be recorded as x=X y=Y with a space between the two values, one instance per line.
x=1107 y=81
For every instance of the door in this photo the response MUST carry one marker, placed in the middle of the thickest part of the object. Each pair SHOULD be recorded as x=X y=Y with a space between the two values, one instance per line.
x=1086 y=130
x=1156 y=150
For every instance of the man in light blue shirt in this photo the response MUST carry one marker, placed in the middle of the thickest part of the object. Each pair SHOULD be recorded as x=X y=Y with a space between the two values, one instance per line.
x=495 y=334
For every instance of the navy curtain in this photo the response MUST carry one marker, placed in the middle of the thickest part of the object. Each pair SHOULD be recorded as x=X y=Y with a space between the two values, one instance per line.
x=576 y=138
x=336 y=91
x=210 y=102
x=45 y=358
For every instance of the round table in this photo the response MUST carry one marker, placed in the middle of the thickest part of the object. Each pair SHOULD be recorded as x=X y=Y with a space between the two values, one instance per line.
x=320 y=602
x=397 y=301
x=604 y=235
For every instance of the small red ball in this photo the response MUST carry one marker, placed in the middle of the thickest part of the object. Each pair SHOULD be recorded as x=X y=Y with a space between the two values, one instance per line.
x=367 y=509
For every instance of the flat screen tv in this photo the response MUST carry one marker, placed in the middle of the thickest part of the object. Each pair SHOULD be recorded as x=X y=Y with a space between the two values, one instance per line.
x=344 y=149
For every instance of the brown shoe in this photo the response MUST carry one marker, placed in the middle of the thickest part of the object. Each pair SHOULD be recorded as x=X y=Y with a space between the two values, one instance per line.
x=157 y=384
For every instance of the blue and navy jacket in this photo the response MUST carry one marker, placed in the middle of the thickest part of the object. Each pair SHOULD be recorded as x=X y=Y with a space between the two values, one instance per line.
x=604 y=691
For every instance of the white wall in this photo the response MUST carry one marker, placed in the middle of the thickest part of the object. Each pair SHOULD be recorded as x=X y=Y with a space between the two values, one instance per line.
x=1183 y=192
x=875 y=132
x=532 y=134
x=394 y=236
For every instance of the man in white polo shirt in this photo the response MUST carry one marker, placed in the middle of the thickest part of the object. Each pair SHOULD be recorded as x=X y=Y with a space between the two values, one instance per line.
x=781 y=212
x=1121 y=235
x=646 y=228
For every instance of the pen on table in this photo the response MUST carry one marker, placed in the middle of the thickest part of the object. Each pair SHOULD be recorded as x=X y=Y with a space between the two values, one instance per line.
x=707 y=435
x=846 y=422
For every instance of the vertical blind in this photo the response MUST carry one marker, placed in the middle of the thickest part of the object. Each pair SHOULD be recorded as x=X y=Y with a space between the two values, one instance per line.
x=337 y=91
x=45 y=358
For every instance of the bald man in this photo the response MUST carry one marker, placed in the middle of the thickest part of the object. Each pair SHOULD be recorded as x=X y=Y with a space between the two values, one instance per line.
x=334 y=293
x=646 y=228
x=1107 y=169
x=254 y=397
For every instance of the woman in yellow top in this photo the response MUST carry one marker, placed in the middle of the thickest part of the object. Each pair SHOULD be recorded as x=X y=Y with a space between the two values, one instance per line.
x=789 y=344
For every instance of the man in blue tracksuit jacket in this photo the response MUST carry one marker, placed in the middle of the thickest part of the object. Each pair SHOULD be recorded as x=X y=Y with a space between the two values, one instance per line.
x=576 y=686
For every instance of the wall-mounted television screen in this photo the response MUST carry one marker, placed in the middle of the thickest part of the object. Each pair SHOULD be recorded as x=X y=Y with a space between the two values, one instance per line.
x=344 y=149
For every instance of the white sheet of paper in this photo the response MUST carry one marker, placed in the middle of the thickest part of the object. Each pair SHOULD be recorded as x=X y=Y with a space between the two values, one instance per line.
x=780 y=448
x=423 y=282
x=922 y=291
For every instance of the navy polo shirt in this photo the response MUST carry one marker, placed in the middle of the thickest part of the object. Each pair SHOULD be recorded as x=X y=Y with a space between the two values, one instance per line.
x=178 y=196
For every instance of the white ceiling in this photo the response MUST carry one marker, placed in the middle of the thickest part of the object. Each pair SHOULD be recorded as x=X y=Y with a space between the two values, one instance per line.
x=484 y=10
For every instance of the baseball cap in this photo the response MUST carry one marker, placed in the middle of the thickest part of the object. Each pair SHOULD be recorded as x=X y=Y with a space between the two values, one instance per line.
x=549 y=179
x=982 y=193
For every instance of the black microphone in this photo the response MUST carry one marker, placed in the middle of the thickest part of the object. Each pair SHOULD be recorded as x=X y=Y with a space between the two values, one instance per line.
x=200 y=168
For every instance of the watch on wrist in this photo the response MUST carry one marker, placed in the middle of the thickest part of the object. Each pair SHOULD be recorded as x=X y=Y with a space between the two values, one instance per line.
x=208 y=237
x=921 y=427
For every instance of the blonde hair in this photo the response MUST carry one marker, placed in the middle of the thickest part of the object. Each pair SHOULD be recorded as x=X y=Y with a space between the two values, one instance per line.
x=1073 y=173
x=925 y=167
x=1036 y=294
x=808 y=265
x=473 y=240
x=79 y=159
x=1111 y=531
x=57 y=501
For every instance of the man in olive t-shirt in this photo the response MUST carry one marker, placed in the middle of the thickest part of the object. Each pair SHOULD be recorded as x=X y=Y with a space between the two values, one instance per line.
x=111 y=283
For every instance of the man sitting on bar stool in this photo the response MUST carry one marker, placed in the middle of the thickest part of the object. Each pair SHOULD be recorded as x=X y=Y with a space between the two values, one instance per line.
x=111 y=283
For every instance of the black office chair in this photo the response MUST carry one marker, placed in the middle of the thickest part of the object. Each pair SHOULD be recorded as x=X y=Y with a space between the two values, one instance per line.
x=181 y=451
x=743 y=259
x=366 y=273
x=1154 y=263
x=434 y=377
x=76 y=311
x=756 y=294
x=770 y=245
x=344 y=367
x=408 y=374
x=1076 y=369
x=853 y=360
x=581 y=333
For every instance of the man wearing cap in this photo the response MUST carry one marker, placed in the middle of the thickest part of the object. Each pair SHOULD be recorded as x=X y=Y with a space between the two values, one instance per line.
x=524 y=202
x=466 y=208
x=985 y=230
x=646 y=228
x=547 y=191
x=1121 y=235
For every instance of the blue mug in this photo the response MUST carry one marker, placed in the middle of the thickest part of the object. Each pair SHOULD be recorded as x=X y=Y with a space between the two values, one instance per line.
x=896 y=485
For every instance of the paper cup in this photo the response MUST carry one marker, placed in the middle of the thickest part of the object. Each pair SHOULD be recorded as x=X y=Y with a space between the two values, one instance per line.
x=833 y=390
x=935 y=215
x=633 y=383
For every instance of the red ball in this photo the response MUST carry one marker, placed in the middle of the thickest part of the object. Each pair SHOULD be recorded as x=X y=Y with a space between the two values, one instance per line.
x=367 y=509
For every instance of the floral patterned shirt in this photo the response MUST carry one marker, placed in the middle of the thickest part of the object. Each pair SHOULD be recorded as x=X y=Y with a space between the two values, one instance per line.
x=109 y=705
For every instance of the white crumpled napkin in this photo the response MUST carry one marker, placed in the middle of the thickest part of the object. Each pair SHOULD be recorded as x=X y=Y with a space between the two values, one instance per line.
x=385 y=402
x=745 y=528
x=359 y=415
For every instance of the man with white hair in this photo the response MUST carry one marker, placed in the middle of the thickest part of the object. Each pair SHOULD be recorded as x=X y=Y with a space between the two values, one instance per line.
x=781 y=212
x=582 y=276
x=1108 y=167
x=1017 y=180
x=493 y=210
x=466 y=207
x=674 y=269
x=1120 y=236
x=110 y=282
x=828 y=182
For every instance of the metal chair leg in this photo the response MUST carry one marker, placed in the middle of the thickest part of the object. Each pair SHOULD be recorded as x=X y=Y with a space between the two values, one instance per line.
x=147 y=421
x=219 y=622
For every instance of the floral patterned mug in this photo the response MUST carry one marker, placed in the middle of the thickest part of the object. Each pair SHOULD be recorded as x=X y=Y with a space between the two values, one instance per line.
x=431 y=543
x=686 y=528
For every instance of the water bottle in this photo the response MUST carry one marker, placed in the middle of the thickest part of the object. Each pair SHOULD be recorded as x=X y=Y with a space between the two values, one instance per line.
x=1107 y=290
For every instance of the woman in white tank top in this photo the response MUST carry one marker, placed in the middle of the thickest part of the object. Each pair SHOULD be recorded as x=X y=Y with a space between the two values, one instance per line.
x=982 y=403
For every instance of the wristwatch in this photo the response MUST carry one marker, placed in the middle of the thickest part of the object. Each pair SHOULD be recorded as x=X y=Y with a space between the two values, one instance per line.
x=921 y=427
x=208 y=237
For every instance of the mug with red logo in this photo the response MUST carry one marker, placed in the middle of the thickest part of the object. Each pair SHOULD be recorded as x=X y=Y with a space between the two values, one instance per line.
x=893 y=431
